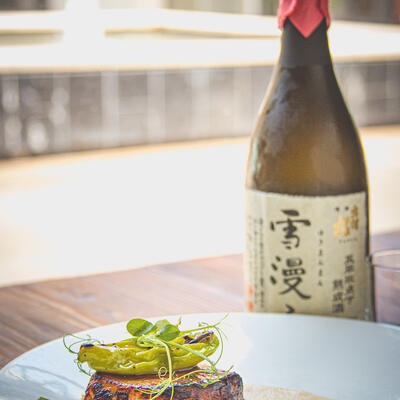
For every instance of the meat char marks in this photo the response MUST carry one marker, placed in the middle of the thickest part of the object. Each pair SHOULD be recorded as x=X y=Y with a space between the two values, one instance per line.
x=104 y=386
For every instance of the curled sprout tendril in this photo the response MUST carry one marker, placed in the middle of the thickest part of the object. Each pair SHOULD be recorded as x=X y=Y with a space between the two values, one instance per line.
x=77 y=341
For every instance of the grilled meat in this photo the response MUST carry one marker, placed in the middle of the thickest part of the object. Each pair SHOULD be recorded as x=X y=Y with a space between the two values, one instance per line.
x=104 y=386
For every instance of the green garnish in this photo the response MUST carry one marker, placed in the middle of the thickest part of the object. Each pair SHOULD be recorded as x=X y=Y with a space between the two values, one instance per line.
x=160 y=348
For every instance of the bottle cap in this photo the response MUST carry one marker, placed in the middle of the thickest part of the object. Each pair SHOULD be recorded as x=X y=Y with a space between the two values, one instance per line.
x=306 y=15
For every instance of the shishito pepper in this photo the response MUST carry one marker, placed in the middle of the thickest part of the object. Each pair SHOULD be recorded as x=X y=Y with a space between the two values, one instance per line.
x=146 y=354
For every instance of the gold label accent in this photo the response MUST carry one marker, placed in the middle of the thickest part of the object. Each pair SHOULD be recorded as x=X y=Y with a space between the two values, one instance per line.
x=307 y=254
x=344 y=224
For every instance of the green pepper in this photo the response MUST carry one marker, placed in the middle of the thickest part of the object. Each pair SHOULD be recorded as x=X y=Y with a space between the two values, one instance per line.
x=134 y=357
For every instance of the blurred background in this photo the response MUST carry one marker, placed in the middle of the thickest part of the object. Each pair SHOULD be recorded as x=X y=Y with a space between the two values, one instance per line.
x=124 y=125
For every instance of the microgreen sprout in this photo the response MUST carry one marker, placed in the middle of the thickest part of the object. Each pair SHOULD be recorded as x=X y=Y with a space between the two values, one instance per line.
x=166 y=339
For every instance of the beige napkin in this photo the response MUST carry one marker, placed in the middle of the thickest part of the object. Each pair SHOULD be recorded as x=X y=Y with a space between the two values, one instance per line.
x=256 y=392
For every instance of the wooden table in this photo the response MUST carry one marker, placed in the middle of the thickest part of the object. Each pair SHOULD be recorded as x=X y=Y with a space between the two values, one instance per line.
x=36 y=313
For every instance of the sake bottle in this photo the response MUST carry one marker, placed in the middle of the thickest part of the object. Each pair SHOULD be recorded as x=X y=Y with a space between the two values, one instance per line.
x=306 y=190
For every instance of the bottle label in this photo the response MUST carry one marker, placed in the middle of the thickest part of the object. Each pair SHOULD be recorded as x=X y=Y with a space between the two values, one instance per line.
x=307 y=254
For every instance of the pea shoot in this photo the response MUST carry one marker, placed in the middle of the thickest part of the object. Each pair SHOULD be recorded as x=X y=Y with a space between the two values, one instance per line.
x=160 y=348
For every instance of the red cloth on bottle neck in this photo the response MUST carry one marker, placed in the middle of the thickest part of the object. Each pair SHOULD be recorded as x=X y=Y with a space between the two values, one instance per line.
x=305 y=15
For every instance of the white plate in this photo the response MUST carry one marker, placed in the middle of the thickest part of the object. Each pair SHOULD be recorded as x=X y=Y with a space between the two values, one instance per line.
x=337 y=358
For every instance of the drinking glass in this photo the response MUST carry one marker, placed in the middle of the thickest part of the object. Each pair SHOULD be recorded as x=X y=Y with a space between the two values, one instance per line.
x=386 y=270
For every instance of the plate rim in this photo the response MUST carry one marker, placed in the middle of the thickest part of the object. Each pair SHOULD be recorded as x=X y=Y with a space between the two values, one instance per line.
x=378 y=325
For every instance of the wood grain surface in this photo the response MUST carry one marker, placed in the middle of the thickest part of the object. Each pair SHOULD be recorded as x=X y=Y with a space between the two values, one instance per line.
x=35 y=313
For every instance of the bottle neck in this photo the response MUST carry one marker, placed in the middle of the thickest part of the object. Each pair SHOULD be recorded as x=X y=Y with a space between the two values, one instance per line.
x=297 y=51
